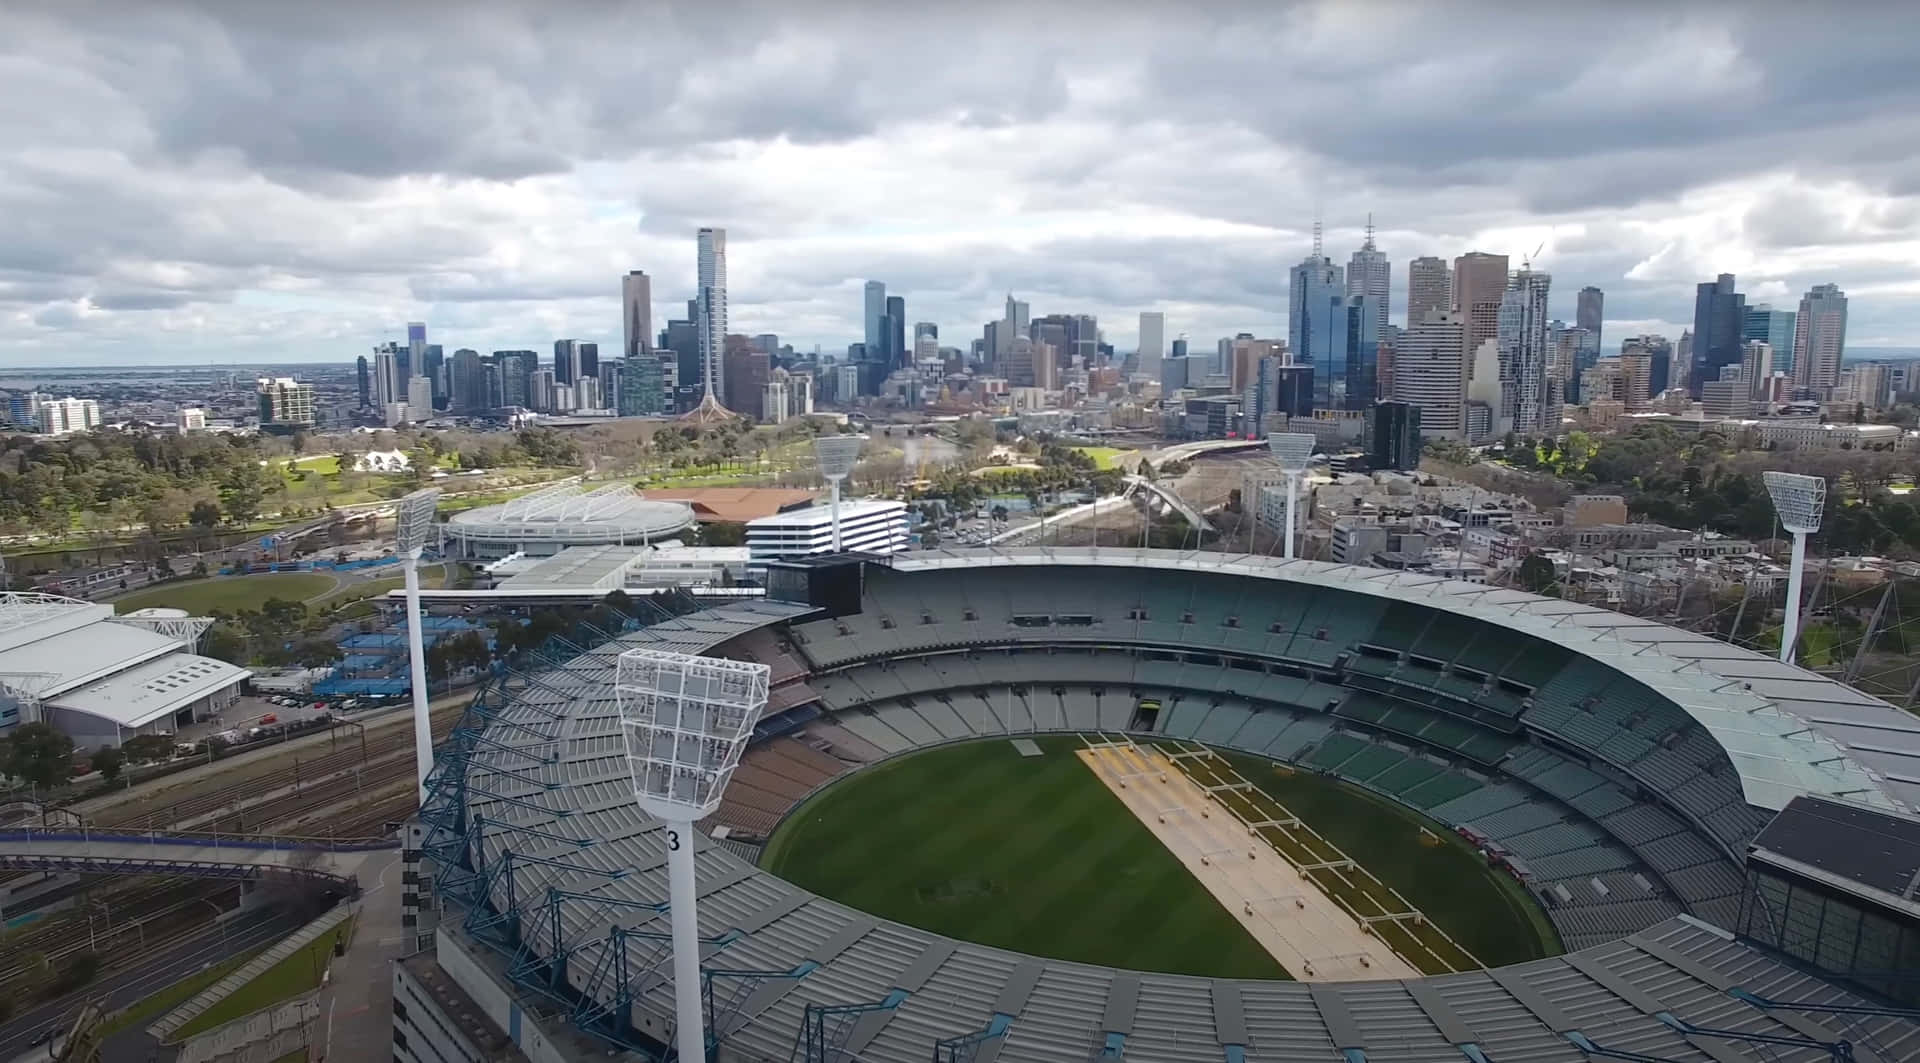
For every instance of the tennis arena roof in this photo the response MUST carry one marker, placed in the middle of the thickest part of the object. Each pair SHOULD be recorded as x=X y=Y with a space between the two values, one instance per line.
x=1788 y=731
x=144 y=693
x=574 y=513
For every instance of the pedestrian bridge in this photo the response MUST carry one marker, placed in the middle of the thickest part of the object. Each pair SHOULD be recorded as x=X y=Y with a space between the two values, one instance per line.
x=117 y=851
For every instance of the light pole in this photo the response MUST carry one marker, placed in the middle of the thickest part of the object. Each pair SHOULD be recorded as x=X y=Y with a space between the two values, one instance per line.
x=1291 y=450
x=1800 y=500
x=837 y=455
x=415 y=519
x=686 y=720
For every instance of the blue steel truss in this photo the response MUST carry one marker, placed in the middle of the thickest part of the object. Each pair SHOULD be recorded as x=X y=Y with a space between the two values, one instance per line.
x=964 y=1048
x=824 y=1028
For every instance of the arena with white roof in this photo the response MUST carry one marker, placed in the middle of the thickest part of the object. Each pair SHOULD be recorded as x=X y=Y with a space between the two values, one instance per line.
x=101 y=678
x=551 y=519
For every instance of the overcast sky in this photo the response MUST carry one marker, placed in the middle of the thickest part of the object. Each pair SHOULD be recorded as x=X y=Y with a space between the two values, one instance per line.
x=287 y=181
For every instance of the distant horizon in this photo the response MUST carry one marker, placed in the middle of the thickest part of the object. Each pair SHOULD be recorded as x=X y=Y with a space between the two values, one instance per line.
x=1852 y=355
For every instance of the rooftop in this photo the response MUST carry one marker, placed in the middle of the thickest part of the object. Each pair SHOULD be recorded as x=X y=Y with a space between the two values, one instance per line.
x=577 y=512
x=66 y=656
x=1877 y=851
x=814 y=517
x=144 y=693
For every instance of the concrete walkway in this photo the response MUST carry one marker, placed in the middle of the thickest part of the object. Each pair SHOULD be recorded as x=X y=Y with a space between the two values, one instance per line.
x=252 y=969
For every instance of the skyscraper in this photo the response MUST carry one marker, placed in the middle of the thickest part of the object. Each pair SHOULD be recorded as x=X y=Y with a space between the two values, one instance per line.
x=1153 y=341
x=364 y=376
x=1317 y=323
x=1530 y=392
x=1363 y=351
x=1429 y=287
x=925 y=328
x=1430 y=371
x=566 y=361
x=1588 y=313
x=898 y=353
x=1369 y=274
x=711 y=284
x=416 y=350
x=875 y=309
x=1820 y=337
x=1775 y=328
x=636 y=312
x=1479 y=284
x=388 y=385
x=1719 y=317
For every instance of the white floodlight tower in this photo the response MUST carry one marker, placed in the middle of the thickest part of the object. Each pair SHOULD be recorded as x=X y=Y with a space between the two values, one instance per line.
x=1291 y=450
x=1800 y=500
x=686 y=719
x=415 y=518
x=837 y=456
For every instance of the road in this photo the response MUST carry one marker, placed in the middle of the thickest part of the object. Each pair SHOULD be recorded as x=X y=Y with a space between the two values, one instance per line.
x=244 y=932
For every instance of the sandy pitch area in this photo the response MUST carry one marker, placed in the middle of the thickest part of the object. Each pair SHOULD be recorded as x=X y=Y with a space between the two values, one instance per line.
x=1300 y=926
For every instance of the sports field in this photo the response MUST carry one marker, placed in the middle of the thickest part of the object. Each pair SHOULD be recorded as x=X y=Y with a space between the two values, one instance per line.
x=1029 y=853
x=228 y=593
x=1037 y=854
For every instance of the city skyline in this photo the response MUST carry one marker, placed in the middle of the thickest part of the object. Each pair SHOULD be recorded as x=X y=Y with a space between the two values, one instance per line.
x=238 y=216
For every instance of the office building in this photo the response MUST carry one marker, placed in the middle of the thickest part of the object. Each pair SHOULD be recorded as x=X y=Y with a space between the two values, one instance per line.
x=747 y=372
x=1393 y=436
x=1756 y=366
x=867 y=525
x=1429 y=287
x=540 y=391
x=1729 y=394
x=419 y=399
x=874 y=311
x=433 y=368
x=468 y=393
x=636 y=313
x=285 y=403
x=1430 y=371
x=566 y=361
x=363 y=375
x=1774 y=328
x=1317 y=324
x=1719 y=319
x=1364 y=318
x=1369 y=275
x=1174 y=375
x=1529 y=389
x=190 y=419
x=925 y=328
x=1243 y=361
x=1479 y=286
x=587 y=361
x=416 y=353
x=1153 y=341
x=59 y=417
x=1820 y=337
x=1293 y=389
x=1659 y=365
x=711 y=302
x=1636 y=376
x=898 y=353
x=1589 y=311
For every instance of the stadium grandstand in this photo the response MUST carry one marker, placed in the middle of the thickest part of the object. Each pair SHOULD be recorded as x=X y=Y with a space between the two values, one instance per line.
x=100 y=678
x=1725 y=844
x=547 y=521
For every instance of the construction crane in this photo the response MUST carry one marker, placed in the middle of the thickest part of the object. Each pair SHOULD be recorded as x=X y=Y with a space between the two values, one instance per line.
x=1526 y=261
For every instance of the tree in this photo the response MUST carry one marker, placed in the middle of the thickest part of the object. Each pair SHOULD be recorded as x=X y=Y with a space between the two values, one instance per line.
x=1536 y=573
x=107 y=760
x=999 y=513
x=40 y=755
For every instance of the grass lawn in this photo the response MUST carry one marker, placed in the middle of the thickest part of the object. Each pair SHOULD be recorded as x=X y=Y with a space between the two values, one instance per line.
x=199 y=596
x=1034 y=854
x=1103 y=457
x=289 y=978
x=151 y=1008
x=1485 y=910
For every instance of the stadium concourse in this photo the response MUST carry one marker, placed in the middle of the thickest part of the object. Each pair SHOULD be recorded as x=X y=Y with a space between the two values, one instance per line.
x=1623 y=770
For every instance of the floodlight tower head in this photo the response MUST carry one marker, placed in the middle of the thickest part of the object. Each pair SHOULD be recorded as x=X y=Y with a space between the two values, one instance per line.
x=1291 y=450
x=686 y=720
x=837 y=455
x=1800 y=500
x=415 y=518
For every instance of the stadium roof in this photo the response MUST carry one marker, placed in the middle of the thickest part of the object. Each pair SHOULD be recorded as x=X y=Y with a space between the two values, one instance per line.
x=137 y=696
x=67 y=657
x=1788 y=731
x=574 y=513
x=596 y=567
x=28 y=616
x=1875 y=853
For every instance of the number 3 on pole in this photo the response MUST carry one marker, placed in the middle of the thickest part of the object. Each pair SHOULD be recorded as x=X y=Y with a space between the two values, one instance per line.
x=673 y=841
